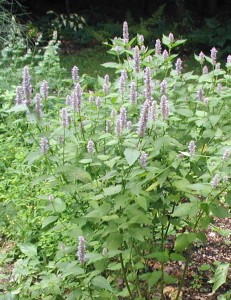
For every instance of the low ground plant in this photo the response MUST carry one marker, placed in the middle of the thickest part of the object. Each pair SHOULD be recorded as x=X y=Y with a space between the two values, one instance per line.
x=129 y=172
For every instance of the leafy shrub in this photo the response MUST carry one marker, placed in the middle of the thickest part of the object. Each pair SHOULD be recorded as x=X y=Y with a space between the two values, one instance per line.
x=132 y=171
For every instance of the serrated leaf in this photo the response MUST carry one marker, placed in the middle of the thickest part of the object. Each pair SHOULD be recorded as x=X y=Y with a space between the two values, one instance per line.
x=142 y=202
x=185 y=209
x=184 y=240
x=185 y=112
x=18 y=108
x=57 y=205
x=33 y=156
x=28 y=249
x=220 y=276
x=72 y=269
x=131 y=155
x=112 y=65
x=112 y=190
x=101 y=282
x=219 y=211
x=48 y=220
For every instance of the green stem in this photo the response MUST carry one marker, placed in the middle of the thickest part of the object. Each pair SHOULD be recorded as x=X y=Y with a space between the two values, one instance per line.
x=125 y=276
x=162 y=264
x=182 y=279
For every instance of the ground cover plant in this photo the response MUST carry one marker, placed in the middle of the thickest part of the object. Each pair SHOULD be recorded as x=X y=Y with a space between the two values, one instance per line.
x=128 y=171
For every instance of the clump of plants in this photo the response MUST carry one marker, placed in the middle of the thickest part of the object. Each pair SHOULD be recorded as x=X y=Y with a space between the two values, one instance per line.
x=132 y=172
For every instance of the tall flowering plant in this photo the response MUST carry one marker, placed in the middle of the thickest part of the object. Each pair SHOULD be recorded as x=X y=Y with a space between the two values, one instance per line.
x=143 y=165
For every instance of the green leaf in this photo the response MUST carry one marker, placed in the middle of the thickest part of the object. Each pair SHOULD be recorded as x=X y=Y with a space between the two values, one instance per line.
x=185 y=112
x=80 y=175
x=112 y=65
x=18 y=108
x=142 y=202
x=48 y=220
x=152 y=278
x=131 y=155
x=220 y=276
x=112 y=190
x=33 y=156
x=57 y=205
x=73 y=269
x=184 y=240
x=28 y=249
x=186 y=209
x=219 y=211
x=101 y=282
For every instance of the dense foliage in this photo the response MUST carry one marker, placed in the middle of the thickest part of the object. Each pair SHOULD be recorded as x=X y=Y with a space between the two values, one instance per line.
x=98 y=182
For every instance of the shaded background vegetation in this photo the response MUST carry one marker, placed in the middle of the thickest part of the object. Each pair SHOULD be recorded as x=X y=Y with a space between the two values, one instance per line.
x=90 y=22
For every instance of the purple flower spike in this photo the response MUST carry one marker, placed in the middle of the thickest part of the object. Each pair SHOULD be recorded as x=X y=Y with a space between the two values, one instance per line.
x=148 y=84
x=143 y=159
x=75 y=74
x=164 y=104
x=133 y=93
x=163 y=87
x=125 y=32
x=205 y=70
x=26 y=85
x=123 y=117
x=65 y=118
x=106 y=84
x=165 y=54
x=171 y=38
x=136 y=59
x=90 y=146
x=192 y=147
x=19 y=99
x=98 y=102
x=38 y=105
x=213 y=55
x=142 y=124
x=178 y=65
x=122 y=81
x=215 y=181
x=201 y=57
x=81 y=253
x=44 y=89
x=158 y=47
x=44 y=145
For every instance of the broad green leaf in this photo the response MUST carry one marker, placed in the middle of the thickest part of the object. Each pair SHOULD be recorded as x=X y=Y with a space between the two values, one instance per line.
x=214 y=119
x=161 y=256
x=57 y=205
x=28 y=249
x=112 y=65
x=177 y=257
x=184 y=240
x=153 y=186
x=220 y=276
x=48 y=220
x=186 y=209
x=142 y=202
x=72 y=269
x=110 y=218
x=219 y=211
x=18 y=108
x=152 y=278
x=33 y=156
x=185 y=112
x=131 y=155
x=112 y=190
x=86 y=161
x=80 y=175
x=101 y=282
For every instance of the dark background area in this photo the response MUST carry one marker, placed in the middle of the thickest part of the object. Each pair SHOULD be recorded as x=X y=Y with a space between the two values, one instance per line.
x=116 y=10
x=85 y=23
